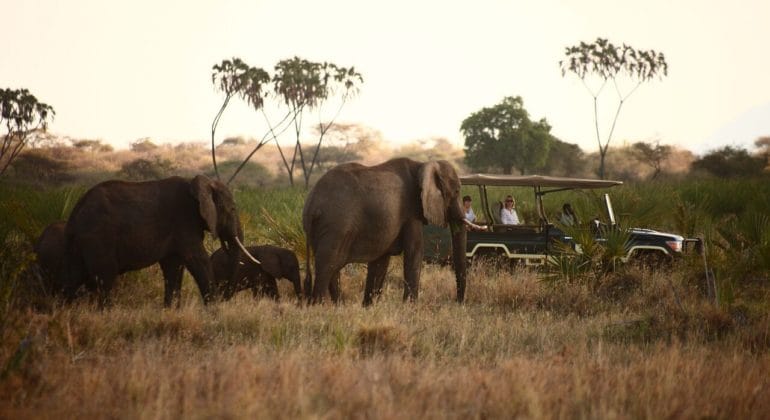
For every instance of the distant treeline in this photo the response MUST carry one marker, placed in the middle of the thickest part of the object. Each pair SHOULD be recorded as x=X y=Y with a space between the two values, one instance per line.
x=60 y=161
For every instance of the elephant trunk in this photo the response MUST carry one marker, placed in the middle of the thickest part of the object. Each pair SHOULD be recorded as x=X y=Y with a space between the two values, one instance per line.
x=459 y=234
x=233 y=269
x=231 y=238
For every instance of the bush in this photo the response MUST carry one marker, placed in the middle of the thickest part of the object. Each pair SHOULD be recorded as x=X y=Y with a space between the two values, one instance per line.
x=145 y=169
x=144 y=145
x=730 y=162
x=38 y=167
x=251 y=175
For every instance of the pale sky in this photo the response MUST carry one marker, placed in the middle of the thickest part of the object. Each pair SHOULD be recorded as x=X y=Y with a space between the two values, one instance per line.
x=120 y=71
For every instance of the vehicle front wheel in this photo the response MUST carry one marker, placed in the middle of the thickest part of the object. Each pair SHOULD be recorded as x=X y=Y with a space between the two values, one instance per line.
x=652 y=260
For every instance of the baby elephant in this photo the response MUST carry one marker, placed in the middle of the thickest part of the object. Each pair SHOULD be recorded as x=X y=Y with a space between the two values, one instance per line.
x=51 y=249
x=261 y=279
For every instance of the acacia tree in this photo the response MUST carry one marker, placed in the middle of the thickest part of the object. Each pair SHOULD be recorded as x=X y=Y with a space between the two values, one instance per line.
x=608 y=63
x=21 y=114
x=299 y=85
x=235 y=77
x=305 y=86
x=651 y=154
x=503 y=136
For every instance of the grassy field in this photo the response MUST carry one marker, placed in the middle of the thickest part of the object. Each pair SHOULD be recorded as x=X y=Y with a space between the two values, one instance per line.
x=633 y=343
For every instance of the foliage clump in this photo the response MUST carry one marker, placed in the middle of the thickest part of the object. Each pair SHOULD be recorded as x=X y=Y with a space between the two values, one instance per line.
x=146 y=169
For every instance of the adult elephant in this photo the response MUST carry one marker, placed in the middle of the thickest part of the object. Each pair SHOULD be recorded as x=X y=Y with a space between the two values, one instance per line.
x=120 y=226
x=275 y=263
x=361 y=214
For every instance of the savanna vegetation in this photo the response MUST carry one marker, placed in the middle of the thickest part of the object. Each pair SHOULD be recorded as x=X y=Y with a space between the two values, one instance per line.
x=625 y=342
x=590 y=336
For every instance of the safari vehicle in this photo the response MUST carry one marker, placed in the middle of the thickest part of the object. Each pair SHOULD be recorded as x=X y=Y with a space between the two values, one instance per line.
x=532 y=242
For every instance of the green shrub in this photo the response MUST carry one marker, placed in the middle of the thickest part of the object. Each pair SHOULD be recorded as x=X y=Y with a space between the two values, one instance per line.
x=41 y=168
x=273 y=216
x=252 y=174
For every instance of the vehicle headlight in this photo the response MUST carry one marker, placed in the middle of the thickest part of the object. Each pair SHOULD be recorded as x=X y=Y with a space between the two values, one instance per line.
x=675 y=246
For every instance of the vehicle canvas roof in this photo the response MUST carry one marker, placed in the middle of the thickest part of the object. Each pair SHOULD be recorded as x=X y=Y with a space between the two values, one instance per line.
x=535 y=181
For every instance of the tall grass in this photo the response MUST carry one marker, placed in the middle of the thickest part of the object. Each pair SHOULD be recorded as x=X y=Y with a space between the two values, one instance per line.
x=516 y=348
x=273 y=216
x=634 y=343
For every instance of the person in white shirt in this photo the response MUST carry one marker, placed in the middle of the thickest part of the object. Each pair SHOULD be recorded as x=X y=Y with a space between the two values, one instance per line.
x=470 y=216
x=508 y=215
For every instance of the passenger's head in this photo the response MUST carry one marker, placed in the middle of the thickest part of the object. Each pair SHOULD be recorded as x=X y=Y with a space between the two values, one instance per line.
x=467 y=202
x=510 y=202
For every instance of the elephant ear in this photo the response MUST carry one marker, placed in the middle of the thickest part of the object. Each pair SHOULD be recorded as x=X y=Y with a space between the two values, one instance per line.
x=432 y=199
x=203 y=191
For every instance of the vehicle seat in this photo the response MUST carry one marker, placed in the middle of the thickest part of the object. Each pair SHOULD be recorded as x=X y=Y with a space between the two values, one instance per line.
x=496 y=214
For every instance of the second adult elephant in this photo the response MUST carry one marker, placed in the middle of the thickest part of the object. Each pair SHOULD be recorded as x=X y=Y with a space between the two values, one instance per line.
x=122 y=226
x=361 y=214
x=275 y=263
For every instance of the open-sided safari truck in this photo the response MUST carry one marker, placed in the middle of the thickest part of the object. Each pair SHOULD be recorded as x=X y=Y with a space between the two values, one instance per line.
x=536 y=238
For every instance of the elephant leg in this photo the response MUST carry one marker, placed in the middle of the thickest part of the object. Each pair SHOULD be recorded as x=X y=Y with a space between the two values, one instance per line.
x=101 y=270
x=173 y=269
x=103 y=285
x=199 y=266
x=328 y=263
x=334 y=288
x=327 y=278
x=270 y=286
x=412 y=240
x=375 y=274
x=74 y=278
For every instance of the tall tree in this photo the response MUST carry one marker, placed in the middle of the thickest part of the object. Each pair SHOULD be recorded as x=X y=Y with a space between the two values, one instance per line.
x=299 y=85
x=305 y=87
x=608 y=63
x=652 y=154
x=503 y=136
x=21 y=114
x=565 y=159
x=235 y=77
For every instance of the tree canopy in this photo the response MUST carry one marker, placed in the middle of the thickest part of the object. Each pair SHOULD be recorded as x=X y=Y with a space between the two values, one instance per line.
x=297 y=85
x=730 y=162
x=609 y=63
x=651 y=154
x=565 y=159
x=503 y=137
x=21 y=114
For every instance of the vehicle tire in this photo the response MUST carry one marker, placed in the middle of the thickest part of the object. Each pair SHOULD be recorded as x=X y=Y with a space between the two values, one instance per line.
x=652 y=260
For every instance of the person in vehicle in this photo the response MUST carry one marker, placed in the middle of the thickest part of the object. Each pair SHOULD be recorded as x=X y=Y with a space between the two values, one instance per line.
x=508 y=215
x=568 y=216
x=470 y=216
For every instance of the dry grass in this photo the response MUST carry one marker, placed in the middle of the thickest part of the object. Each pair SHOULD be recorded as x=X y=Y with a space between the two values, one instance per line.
x=515 y=349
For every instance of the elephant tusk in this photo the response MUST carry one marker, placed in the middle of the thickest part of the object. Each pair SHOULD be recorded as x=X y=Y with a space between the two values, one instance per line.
x=243 y=249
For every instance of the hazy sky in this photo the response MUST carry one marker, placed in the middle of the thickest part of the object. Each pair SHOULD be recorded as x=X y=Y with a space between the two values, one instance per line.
x=120 y=71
